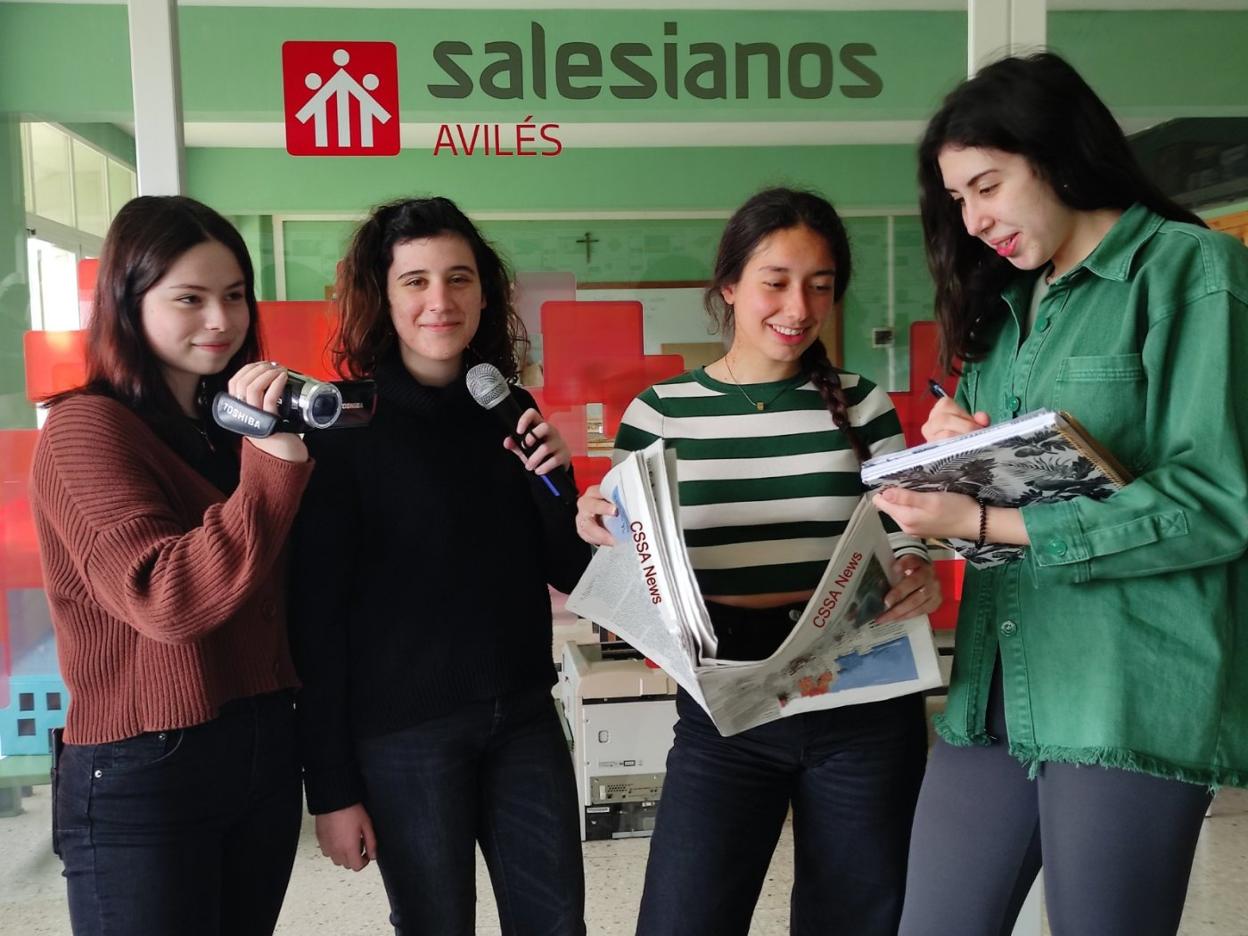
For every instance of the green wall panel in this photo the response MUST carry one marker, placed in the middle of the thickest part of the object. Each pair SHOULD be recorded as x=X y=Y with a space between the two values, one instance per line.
x=687 y=178
x=1159 y=62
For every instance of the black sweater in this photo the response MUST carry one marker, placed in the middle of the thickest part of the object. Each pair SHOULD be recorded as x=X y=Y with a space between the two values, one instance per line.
x=422 y=554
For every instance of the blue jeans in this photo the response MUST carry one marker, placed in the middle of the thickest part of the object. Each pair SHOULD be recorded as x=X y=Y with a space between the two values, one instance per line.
x=190 y=831
x=496 y=772
x=851 y=775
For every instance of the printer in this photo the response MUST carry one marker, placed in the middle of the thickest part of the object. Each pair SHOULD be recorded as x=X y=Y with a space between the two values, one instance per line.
x=621 y=713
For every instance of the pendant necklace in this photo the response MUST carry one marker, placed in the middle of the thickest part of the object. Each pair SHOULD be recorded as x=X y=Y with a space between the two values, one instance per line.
x=759 y=405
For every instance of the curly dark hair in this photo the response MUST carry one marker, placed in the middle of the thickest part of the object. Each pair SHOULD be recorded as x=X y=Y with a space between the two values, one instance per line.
x=365 y=334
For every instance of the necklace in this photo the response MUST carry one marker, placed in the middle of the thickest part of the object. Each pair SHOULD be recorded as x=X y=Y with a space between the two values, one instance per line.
x=759 y=405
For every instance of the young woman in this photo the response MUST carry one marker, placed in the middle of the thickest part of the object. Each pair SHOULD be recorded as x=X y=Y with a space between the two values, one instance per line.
x=423 y=632
x=177 y=791
x=1101 y=683
x=769 y=439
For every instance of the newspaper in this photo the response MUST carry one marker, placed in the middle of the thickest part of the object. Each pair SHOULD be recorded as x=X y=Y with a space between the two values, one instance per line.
x=644 y=589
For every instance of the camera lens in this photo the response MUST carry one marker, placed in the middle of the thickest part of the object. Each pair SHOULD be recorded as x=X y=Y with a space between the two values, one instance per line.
x=321 y=404
x=324 y=408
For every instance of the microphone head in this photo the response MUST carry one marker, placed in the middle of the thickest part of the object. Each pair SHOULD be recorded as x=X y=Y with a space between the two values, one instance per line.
x=487 y=385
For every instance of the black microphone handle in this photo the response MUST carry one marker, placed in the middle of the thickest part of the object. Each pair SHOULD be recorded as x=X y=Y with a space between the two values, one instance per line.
x=509 y=412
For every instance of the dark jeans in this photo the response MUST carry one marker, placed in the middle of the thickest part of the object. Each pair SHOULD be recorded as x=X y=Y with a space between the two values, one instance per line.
x=190 y=831
x=851 y=776
x=495 y=772
x=1116 y=846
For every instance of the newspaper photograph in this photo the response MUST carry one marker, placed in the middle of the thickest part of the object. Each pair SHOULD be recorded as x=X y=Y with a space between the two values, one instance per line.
x=644 y=589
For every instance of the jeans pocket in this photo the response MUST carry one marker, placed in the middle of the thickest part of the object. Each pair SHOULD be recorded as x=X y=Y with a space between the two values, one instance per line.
x=58 y=747
x=142 y=752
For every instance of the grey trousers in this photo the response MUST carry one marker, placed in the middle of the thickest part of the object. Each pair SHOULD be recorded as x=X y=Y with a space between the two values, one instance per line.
x=1116 y=846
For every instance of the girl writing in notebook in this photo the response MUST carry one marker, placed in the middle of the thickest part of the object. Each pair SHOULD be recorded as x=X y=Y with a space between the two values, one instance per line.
x=1100 y=684
x=769 y=439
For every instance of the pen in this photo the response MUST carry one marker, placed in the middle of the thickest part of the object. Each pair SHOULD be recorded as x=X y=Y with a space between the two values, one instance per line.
x=937 y=390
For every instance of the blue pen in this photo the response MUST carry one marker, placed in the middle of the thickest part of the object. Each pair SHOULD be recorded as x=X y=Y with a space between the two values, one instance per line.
x=937 y=390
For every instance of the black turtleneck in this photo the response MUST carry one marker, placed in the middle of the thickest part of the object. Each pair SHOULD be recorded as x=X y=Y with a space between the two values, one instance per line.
x=422 y=554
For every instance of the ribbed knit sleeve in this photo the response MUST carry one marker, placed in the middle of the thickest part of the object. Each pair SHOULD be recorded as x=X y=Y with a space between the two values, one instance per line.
x=112 y=505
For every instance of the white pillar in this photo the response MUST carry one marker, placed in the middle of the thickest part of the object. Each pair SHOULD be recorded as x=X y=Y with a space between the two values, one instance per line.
x=996 y=28
x=155 y=73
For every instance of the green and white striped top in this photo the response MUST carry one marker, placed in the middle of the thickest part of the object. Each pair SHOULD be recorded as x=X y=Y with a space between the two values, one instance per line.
x=764 y=496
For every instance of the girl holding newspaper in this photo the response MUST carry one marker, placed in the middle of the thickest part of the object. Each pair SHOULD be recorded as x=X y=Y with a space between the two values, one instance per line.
x=769 y=439
x=1100 y=683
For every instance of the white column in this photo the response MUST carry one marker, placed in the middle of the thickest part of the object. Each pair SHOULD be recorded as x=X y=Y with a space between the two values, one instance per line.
x=996 y=28
x=155 y=73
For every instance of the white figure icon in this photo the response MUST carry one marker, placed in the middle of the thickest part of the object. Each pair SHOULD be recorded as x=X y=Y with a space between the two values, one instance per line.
x=342 y=88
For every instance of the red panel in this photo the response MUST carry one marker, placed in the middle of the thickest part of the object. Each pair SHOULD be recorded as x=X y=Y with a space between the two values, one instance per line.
x=585 y=345
x=19 y=550
x=55 y=361
x=569 y=420
x=621 y=388
x=589 y=470
x=297 y=335
x=88 y=270
x=950 y=573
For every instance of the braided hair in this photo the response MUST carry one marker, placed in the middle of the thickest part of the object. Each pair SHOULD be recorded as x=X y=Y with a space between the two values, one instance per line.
x=779 y=209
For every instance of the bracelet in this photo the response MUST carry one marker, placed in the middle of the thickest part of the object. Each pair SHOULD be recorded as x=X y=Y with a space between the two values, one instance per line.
x=983 y=525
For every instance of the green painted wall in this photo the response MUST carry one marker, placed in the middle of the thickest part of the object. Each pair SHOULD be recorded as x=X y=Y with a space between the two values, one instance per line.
x=15 y=412
x=683 y=179
x=108 y=137
x=1144 y=63
x=1178 y=61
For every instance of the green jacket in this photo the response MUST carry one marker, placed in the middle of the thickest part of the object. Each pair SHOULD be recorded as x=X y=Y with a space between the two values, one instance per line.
x=1123 y=632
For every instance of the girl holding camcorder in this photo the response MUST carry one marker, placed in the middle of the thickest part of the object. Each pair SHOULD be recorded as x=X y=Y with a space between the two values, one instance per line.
x=176 y=791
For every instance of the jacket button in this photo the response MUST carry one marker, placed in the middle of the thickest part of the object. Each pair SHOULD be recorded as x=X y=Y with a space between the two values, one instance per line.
x=1057 y=548
x=1043 y=324
x=1009 y=629
x=1014 y=403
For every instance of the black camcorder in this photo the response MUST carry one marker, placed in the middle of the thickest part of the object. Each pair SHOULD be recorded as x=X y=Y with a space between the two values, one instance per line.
x=306 y=403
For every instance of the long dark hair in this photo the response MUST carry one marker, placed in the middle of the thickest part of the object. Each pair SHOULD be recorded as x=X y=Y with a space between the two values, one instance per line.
x=1040 y=108
x=365 y=334
x=146 y=237
x=779 y=209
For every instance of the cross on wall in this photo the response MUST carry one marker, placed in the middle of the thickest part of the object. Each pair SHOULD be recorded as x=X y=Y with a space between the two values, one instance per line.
x=588 y=240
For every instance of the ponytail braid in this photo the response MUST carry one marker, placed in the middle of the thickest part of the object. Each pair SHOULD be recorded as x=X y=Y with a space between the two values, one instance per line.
x=817 y=367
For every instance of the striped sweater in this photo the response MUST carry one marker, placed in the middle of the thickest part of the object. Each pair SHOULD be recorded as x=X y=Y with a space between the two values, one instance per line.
x=764 y=496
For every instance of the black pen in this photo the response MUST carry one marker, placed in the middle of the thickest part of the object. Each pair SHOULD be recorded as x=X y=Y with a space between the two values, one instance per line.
x=937 y=390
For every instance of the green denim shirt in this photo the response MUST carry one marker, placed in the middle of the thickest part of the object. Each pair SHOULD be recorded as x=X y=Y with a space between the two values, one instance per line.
x=1123 y=632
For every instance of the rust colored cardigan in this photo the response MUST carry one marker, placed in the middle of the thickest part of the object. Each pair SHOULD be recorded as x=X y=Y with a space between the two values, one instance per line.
x=167 y=597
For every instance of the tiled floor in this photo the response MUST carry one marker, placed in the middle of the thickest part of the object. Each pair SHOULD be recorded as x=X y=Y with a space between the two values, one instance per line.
x=325 y=899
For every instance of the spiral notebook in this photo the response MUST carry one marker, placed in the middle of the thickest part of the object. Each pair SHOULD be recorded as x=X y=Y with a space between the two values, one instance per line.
x=1039 y=457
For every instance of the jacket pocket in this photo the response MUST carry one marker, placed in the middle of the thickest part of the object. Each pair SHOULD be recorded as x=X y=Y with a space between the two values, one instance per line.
x=1106 y=393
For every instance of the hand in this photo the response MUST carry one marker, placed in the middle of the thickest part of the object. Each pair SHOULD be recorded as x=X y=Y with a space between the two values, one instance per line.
x=947 y=420
x=591 y=507
x=346 y=837
x=917 y=593
x=551 y=454
x=930 y=513
x=260 y=384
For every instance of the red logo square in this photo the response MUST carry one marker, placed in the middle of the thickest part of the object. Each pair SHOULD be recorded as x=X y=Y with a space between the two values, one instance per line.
x=342 y=98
